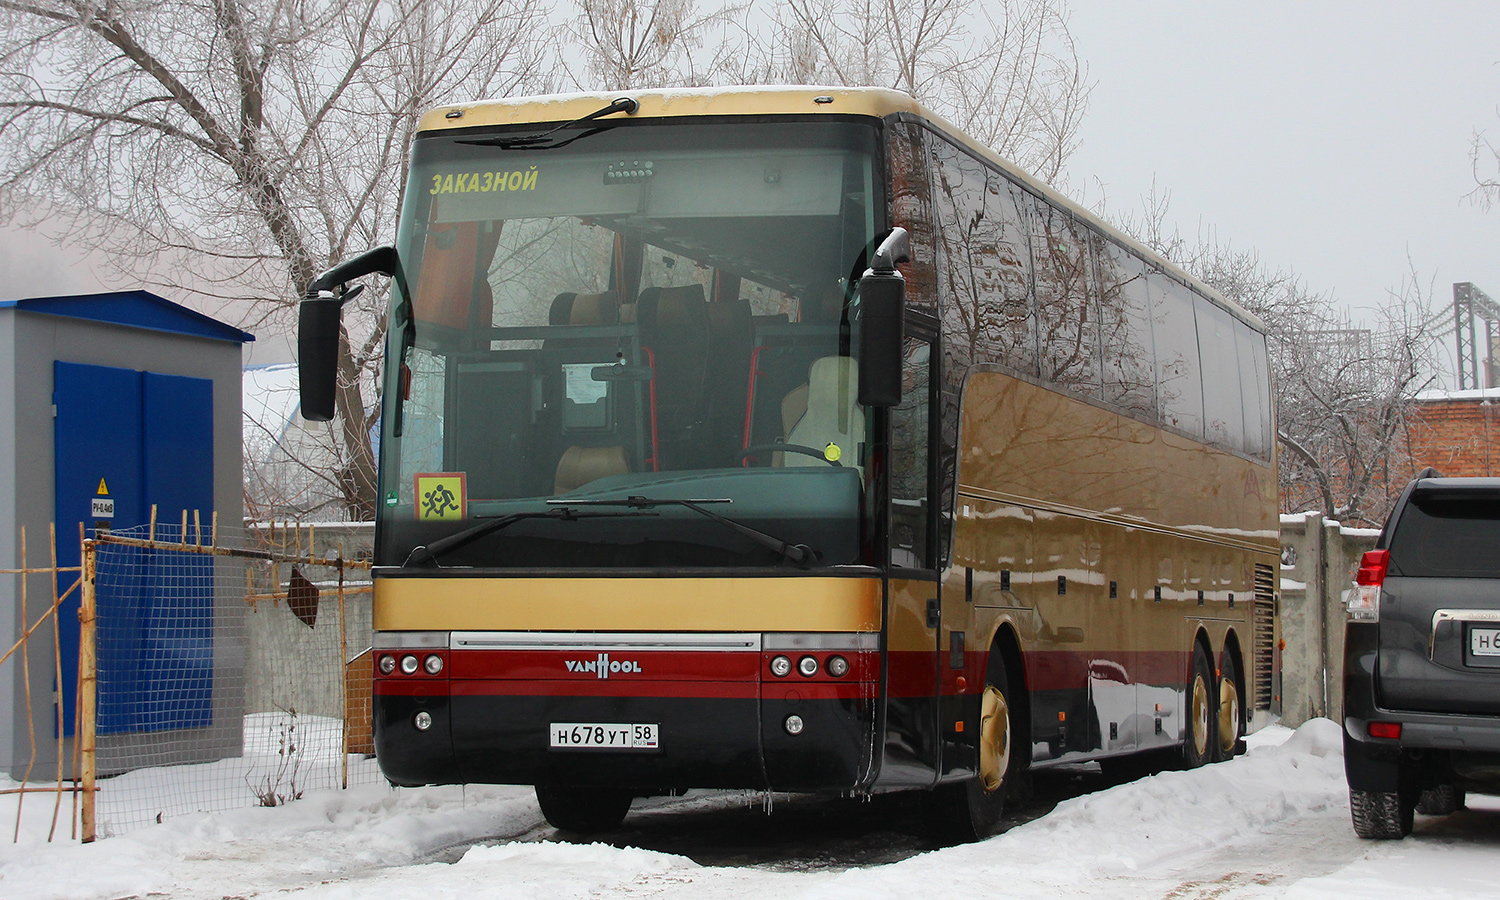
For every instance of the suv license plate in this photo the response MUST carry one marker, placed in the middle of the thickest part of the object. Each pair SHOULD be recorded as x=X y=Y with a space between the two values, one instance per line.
x=1484 y=641
x=601 y=736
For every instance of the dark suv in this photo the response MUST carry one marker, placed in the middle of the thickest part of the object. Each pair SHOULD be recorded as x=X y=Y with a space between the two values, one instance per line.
x=1422 y=657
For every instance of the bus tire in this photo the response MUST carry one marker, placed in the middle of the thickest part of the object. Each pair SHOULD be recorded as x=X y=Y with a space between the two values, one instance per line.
x=1231 y=724
x=1199 y=740
x=970 y=810
x=582 y=810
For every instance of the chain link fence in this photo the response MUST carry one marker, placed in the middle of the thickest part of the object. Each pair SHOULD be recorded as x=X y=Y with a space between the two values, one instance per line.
x=218 y=669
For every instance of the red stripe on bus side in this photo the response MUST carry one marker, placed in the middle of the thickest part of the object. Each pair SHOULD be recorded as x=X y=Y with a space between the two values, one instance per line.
x=915 y=673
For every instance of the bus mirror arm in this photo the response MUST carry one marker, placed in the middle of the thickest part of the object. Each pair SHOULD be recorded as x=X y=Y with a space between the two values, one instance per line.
x=882 y=313
x=318 y=327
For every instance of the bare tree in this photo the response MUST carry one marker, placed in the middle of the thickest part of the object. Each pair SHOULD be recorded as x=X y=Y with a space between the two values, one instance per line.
x=1344 y=391
x=1484 y=159
x=1006 y=72
x=644 y=43
x=244 y=145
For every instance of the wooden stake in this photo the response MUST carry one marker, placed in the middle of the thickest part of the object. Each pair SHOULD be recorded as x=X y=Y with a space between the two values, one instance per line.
x=88 y=685
x=30 y=713
x=62 y=740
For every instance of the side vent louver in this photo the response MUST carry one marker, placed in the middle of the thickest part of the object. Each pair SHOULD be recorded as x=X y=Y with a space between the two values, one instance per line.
x=1263 y=635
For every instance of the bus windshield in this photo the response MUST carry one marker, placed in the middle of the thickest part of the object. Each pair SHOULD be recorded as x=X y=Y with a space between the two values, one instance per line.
x=584 y=336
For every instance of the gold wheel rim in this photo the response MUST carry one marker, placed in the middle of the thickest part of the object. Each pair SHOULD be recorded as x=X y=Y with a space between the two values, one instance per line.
x=1200 y=715
x=994 y=738
x=1229 y=715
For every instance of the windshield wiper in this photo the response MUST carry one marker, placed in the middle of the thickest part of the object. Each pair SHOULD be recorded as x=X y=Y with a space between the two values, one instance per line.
x=428 y=553
x=539 y=141
x=801 y=554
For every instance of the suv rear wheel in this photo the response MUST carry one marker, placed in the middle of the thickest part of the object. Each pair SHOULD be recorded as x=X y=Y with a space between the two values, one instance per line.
x=1380 y=815
x=1440 y=800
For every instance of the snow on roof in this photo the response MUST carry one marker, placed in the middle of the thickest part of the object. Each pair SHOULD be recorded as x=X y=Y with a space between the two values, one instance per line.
x=271 y=401
x=1473 y=394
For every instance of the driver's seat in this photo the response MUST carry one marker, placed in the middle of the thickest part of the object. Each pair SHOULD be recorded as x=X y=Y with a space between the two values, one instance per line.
x=833 y=415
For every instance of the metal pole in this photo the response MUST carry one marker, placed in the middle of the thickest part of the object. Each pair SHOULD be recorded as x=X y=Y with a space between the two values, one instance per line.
x=343 y=665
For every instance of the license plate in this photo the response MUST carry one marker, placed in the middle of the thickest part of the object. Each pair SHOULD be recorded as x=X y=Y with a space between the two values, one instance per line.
x=601 y=736
x=1484 y=641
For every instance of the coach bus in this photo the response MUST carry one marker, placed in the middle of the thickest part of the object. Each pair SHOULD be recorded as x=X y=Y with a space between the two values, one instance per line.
x=786 y=439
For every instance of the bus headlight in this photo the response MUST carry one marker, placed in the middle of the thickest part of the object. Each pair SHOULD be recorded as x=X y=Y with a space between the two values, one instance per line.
x=433 y=664
x=409 y=664
x=423 y=720
x=781 y=667
x=808 y=666
x=387 y=664
x=793 y=725
x=838 y=667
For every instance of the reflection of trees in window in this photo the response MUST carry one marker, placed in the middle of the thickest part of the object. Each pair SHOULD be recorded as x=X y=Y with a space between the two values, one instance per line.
x=1255 y=390
x=1125 y=329
x=1223 y=412
x=422 y=435
x=909 y=446
x=984 y=266
x=1174 y=327
x=537 y=259
x=911 y=207
x=1067 y=328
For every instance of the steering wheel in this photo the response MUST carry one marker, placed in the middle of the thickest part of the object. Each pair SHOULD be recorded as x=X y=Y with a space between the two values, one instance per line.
x=788 y=448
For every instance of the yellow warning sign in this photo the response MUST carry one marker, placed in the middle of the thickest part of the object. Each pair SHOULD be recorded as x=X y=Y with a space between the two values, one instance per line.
x=441 y=496
x=103 y=490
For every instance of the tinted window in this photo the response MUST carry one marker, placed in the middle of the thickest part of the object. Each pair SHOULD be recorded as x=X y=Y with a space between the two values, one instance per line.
x=1174 y=328
x=1225 y=420
x=1448 y=536
x=1125 y=326
x=1067 y=325
x=1255 y=389
x=984 y=265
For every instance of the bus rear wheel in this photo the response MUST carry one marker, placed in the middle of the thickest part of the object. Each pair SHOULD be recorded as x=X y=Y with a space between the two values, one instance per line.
x=1231 y=713
x=970 y=810
x=582 y=810
x=1198 y=744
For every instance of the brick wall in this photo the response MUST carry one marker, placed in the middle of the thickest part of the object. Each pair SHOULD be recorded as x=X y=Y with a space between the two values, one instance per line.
x=1460 y=437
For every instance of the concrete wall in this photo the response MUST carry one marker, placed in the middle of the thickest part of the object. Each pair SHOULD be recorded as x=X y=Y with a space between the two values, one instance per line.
x=29 y=343
x=291 y=665
x=1319 y=558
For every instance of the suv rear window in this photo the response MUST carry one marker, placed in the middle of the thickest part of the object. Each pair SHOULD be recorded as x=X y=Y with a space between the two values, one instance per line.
x=1445 y=535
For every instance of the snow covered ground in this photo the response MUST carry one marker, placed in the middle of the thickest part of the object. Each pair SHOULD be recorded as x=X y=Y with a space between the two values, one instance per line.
x=1273 y=823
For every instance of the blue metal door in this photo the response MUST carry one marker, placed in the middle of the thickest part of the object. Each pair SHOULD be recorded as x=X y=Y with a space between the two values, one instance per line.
x=135 y=439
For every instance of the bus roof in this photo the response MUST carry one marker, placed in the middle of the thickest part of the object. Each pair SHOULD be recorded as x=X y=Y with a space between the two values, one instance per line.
x=771 y=100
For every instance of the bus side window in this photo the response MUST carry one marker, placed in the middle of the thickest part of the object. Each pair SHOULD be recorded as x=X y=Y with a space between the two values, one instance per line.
x=910 y=440
x=1178 y=377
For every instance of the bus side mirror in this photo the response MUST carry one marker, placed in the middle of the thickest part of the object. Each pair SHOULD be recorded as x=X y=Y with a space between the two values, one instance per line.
x=882 y=312
x=318 y=328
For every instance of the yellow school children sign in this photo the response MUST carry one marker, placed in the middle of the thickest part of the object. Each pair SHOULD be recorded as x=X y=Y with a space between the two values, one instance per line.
x=441 y=496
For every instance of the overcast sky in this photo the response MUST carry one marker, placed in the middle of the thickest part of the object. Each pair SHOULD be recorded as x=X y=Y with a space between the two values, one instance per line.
x=1332 y=137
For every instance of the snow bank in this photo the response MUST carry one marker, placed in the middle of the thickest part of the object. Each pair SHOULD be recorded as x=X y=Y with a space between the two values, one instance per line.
x=1126 y=841
x=1130 y=827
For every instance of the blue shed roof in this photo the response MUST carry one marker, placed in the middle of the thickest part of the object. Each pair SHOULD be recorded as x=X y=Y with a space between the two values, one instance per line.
x=137 y=309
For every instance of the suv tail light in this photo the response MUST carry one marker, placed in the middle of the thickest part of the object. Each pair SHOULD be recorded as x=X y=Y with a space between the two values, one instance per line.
x=1364 y=600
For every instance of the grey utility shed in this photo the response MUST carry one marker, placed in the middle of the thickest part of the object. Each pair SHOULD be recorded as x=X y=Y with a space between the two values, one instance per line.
x=110 y=403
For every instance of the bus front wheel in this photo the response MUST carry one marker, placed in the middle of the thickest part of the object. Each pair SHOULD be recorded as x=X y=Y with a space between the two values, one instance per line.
x=582 y=810
x=970 y=810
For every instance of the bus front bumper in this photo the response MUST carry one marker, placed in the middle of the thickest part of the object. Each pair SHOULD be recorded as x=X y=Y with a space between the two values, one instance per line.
x=715 y=735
